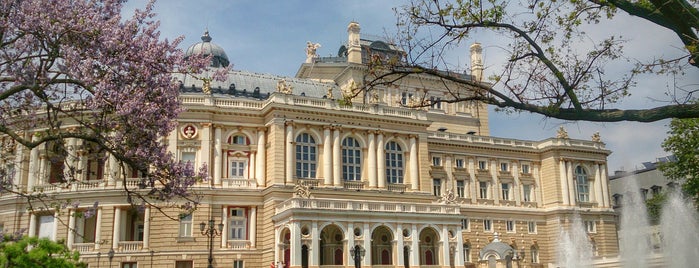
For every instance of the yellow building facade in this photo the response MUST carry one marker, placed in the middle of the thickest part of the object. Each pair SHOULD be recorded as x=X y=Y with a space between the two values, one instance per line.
x=301 y=179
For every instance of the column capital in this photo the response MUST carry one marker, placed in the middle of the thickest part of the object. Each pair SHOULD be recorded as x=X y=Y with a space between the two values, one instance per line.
x=261 y=129
x=206 y=124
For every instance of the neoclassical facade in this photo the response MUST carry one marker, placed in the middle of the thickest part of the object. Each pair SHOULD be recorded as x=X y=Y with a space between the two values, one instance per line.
x=303 y=179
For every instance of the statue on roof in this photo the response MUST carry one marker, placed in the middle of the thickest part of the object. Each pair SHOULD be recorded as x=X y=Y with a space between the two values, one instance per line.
x=596 y=137
x=562 y=133
x=311 y=51
x=283 y=87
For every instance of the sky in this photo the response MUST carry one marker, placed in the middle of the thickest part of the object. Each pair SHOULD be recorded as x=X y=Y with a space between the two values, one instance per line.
x=266 y=36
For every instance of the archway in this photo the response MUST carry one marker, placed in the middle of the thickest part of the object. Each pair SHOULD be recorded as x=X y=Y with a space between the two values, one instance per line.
x=382 y=246
x=285 y=246
x=429 y=247
x=331 y=244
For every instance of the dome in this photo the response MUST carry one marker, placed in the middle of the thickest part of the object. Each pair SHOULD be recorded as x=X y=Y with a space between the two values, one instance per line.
x=206 y=48
x=499 y=249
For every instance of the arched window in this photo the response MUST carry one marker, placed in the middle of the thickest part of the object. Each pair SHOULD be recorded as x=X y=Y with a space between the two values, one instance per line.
x=394 y=163
x=582 y=184
x=351 y=159
x=306 y=155
x=467 y=252
x=535 y=254
x=238 y=139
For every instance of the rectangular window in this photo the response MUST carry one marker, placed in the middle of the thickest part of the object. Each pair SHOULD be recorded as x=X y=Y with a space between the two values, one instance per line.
x=129 y=265
x=405 y=98
x=488 y=225
x=504 y=167
x=436 y=102
x=188 y=157
x=525 y=169
x=510 y=226
x=656 y=189
x=436 y=161
x=46 y=226
x=236 y=168
x=532 y=227
x=644 y=194
x=527 y=192
x=505 y=191
x=483 y=189
x=238 y=264
x=465 y=224
x=459 y=163
x=590 y=226
x=185 y=225
x=184 y=264
x=482 y=165
x=460 y=188
x=437 y=187
x=237 y=224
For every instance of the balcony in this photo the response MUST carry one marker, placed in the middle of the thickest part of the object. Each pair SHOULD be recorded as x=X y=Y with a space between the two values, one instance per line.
x=374 y=206
x=397 y=187
x=238 y=244
x=238 y=183
x=353 y=185
x=84 y=247
x=130 y=246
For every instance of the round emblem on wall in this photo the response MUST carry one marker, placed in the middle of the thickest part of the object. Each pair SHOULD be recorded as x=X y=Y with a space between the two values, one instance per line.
x=189 y=131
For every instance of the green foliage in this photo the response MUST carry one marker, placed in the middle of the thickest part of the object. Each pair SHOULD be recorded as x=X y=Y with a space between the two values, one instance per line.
x=683 y=142
x=654 y=206
x=37 y=252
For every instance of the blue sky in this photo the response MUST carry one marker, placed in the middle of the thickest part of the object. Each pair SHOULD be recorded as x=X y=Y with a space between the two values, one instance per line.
x=267 y=36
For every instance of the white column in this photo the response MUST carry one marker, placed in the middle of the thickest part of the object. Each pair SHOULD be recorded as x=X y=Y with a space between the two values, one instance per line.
x=350 y=244
x=380 y=161
x=371 y=160
x=71 y=229
x=459 y=252
x=76 y=159
x=253 y=227
x=146 y=228
x=224 y=233
x=172 y=141
x=277 y=238
x=252 y=168
x=415 y=248
x=117 y=228
x=33 y=168
x=517 y=185
x=55 y=226
x=261 y=156
x=289 y=153
x=495 y=184
x=537 y=191
x=218 y=158
x=315 y=245
x=205 y=151
x=337 y=158
x=19 y=166
x=98 y=228
x=295 y=244
x=414 y=176
x=43 y=177
x=605 y=184
x=473 y=183
x=32 y=225
x=445 y=246
x=327 y=157
x=564 y=181
x=399 y=244
x=114 y=169
x=598 y=187
x=367 y=245
x=571 y=183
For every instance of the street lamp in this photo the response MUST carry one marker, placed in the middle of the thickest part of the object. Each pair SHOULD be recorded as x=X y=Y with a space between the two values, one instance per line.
x=111 y=256
x=518 y=257
x=357 y=254
x=151 y=258
x=98 y=259
x=211 y=233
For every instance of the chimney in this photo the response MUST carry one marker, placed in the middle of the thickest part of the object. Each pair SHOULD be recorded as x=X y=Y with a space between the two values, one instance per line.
x=477 y=62
x=354 y=52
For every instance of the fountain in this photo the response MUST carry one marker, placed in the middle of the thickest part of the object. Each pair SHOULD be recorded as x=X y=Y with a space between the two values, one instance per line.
x=576 y=249
x=635 y=231
x=680 y=232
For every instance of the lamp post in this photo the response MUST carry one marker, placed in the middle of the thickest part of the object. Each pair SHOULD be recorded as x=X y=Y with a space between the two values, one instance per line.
x=357 y=254
x=98 y=259
x=151 y=258
x=518 y=257
x=111 y=256
x=211 y=232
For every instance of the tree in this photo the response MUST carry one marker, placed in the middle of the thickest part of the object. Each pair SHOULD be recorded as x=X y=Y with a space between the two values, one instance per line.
x=683 y=143
x=37 y=252
x=78 y=71
x=552 y=68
